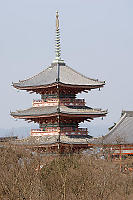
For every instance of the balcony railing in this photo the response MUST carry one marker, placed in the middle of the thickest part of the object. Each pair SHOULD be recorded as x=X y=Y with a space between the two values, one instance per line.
x=62 y=131
x=63 y=102
x=41 y=132
x=72 y=131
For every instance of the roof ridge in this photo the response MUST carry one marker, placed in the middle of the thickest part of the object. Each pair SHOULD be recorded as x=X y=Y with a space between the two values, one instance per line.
x=128 y=112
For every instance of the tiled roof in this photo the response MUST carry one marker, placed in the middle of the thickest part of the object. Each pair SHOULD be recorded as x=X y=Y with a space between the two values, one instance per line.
x=74 y=140
x=47 y=140
x=47 y=110
x=37 y=140
x=66 y=74
x=122 y=132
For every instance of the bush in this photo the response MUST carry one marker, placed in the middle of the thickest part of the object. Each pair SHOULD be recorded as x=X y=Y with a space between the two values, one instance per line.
x=28 y=176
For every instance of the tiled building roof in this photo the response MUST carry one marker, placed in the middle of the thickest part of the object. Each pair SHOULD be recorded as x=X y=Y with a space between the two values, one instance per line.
x=54 y=139
x=48 y=110
x=67 y=76
x=121 y=133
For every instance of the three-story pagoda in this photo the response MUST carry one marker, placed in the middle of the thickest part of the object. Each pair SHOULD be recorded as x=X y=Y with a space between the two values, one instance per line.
x=59 y=112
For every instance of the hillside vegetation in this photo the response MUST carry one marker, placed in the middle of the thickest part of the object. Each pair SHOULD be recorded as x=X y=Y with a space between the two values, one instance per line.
x=28 y=176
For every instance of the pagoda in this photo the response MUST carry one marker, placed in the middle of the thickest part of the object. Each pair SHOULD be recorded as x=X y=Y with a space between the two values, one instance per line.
x=59 y=112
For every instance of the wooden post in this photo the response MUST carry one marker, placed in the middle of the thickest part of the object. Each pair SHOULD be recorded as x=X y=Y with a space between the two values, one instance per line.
x=120 y=157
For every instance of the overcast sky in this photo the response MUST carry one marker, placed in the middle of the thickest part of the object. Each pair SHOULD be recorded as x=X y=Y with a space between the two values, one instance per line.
x=96 y=40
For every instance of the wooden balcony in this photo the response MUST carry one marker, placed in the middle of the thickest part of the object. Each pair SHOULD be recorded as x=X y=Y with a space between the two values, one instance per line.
x=61 y=131
x=41 y=132
x=72 y=131
x=55 y=101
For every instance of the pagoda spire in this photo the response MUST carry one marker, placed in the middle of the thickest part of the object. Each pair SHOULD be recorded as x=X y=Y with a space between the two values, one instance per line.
x=57 y=40
x=57 y=45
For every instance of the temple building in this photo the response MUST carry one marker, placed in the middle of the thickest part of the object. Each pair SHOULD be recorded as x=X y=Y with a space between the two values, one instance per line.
x=120 y=137
x=58 y=112
x=118 y=142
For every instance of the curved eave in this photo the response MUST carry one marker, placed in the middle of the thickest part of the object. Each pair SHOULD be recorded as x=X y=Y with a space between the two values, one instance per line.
x=84 y=115
x=35 y=87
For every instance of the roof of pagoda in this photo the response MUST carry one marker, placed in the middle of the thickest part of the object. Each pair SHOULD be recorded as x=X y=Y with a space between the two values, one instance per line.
x=54 y=110
x=54 y=139
x=49 y=77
